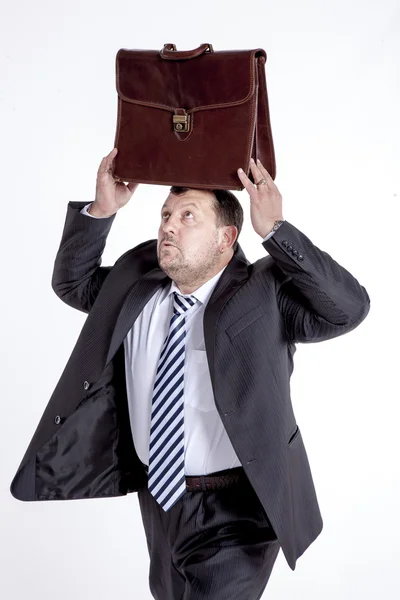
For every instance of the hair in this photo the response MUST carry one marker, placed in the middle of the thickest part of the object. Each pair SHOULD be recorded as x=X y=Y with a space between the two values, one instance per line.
x=226 y=206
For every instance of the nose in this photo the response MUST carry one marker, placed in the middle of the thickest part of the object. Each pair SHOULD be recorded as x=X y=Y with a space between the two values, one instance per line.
x=169 y=226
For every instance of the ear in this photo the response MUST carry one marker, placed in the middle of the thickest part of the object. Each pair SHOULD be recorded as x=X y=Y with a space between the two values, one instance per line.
x=230 y=235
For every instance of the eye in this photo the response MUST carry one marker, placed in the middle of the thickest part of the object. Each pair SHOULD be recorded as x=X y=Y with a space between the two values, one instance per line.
x=185 y=213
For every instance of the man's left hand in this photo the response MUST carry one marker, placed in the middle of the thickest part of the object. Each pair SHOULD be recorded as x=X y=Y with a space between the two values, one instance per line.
x=265 y=200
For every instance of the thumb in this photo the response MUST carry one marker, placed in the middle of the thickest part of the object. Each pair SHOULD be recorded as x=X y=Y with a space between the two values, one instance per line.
x=132 y=186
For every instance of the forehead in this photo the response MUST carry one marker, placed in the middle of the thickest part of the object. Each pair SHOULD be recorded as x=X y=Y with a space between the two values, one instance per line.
x=194 y=198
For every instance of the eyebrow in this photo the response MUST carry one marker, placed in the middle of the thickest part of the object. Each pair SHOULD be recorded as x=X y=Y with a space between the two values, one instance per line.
x=183 y=205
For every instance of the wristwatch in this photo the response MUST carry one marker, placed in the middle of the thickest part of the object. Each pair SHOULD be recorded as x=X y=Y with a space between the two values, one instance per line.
x=277 y=224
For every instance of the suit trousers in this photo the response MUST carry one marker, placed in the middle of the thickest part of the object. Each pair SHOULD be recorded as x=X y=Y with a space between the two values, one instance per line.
x=212 y=544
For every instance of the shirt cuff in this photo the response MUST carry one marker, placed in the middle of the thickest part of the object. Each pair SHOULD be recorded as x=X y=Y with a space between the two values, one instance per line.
x=270 y=234
x=84 y=211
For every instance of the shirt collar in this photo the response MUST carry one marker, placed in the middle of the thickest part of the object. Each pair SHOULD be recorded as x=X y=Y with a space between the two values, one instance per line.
x=202 y=293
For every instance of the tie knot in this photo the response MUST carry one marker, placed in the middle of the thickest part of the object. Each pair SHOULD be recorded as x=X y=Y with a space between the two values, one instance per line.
x=183 y=303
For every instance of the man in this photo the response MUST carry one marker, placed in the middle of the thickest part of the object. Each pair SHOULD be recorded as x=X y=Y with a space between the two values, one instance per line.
x=178 y=386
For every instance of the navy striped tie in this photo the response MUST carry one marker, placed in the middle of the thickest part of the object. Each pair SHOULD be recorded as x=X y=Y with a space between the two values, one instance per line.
x=166 y=474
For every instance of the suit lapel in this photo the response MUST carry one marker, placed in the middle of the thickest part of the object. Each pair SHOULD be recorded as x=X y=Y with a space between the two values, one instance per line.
x=234 y=276
x=137 y=297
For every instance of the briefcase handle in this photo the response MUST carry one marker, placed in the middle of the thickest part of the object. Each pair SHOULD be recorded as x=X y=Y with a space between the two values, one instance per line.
x=172 y=54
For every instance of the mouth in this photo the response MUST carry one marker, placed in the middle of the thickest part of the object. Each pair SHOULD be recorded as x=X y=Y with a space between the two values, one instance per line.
x=167 y=244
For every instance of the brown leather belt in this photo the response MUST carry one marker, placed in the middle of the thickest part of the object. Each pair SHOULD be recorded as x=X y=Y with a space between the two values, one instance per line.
x=214 y=481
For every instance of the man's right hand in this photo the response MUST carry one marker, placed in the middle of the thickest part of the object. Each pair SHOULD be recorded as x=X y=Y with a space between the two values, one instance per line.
x=111 y=195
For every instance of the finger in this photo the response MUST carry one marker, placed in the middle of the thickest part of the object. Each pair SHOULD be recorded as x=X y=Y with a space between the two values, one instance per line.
x=110 y=158
x=257 y=175
x=103 y=167
x=107 y=162
x=264 y=172
x=132 y=186
x=246 y=181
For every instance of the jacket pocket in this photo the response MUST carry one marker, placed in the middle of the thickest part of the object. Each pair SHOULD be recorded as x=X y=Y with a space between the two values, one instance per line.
x=256 y=313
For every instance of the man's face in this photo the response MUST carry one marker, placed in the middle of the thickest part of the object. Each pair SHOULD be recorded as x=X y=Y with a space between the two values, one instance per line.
x=188 y=222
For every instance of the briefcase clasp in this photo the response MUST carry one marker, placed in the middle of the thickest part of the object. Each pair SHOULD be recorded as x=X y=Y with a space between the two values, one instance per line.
x=181 y=123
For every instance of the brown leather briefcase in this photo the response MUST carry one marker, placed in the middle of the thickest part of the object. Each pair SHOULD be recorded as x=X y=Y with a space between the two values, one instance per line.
x=191 y=118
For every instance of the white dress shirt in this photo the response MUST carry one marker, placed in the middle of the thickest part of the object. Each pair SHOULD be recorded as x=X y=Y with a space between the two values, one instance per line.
x=207 y=445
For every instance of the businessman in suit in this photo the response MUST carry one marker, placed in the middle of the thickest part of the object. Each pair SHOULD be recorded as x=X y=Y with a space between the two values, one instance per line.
x=178 y=387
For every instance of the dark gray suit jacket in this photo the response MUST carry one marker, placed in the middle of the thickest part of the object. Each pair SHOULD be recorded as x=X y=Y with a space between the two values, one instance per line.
x=82 y=446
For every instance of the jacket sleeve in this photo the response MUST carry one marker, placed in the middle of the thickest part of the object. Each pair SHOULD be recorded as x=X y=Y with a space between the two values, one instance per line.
x=318 y=298
x=77 y=274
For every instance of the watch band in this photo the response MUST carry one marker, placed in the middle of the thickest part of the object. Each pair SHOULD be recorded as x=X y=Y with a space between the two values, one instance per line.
x=277 y=224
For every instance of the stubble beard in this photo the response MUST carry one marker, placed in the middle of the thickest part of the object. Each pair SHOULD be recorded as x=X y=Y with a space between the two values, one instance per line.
x=184 y=272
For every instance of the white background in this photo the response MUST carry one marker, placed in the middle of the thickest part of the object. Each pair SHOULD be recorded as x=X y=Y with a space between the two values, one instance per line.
x=334 y=87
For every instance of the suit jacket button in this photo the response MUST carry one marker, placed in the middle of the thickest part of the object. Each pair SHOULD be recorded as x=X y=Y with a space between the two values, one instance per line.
x=86 y=385
x=57 y=420
x=295 y=252
x=290 y=248
x=285 y=243
x=300 y=257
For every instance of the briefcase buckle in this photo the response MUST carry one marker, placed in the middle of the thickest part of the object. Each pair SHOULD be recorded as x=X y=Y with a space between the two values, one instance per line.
x=181 y=123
